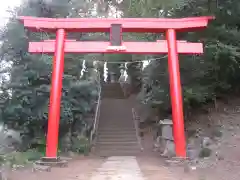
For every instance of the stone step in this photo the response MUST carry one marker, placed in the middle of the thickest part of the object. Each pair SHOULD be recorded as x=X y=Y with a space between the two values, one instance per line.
x=116 y=138
x=118 y=147
x=107 y=153
x=116 y=129
x=117 y=153
x=116 y=141
x=112 y=89
x=117 y=134
x=117 y=117
x=113 y=97
x=115 y=126
x=120 y=122
x=113 y=150
x=112 y=139
x=112 y=92
x=117 y=122
x=120 y=97
x=114 y=144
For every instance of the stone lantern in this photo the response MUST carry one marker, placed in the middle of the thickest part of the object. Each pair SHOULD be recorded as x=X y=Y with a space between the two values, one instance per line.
x=165 y=138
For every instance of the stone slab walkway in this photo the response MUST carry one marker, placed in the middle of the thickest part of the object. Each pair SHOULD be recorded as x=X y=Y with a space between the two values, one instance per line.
x=119 y=168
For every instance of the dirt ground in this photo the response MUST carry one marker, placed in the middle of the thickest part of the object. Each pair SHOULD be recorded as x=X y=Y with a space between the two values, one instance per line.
x=80 y=169
x=84 y=168
x=152 y=169
x=224 y=163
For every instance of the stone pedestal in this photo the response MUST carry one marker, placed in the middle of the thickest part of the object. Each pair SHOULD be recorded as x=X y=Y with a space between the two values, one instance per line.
x=52 y=162
x=166 y=138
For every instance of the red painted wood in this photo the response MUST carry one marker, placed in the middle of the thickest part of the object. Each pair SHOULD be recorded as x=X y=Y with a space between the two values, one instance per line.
x=153 y=25
x=55 y=95
x=176 y=94
x=101 y=47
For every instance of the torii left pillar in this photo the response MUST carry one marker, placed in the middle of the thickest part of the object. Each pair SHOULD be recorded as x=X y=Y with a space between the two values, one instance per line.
x=56 y=94
x=176 y=93
x=51 y=158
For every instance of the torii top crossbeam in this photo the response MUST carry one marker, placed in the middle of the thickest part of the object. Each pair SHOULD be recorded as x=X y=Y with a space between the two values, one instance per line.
x=151 y=25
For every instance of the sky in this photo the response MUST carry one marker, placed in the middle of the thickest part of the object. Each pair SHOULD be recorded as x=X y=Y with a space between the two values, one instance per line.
x=5 y=5
x=4 y=15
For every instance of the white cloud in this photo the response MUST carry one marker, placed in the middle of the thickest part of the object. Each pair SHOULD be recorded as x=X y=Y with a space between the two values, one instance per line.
x=4 y=7
x=4 y=17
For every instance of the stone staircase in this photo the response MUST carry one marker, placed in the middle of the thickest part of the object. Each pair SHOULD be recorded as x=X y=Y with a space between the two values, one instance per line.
x=112 y=90
x=116 y=130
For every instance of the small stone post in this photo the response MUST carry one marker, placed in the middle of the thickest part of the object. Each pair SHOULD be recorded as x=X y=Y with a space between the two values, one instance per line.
x=166 y=138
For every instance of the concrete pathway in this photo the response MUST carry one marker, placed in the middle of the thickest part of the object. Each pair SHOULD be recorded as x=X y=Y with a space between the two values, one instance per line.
x=119 y=168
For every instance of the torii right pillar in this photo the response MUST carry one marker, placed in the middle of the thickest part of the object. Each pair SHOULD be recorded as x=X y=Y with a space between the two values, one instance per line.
x=176 y=94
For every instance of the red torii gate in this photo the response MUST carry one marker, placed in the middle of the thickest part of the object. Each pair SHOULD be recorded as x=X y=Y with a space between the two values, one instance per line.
x=61 y=45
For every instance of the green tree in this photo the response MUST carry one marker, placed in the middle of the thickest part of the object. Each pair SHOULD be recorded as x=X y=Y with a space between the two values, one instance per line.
x=26 y=107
